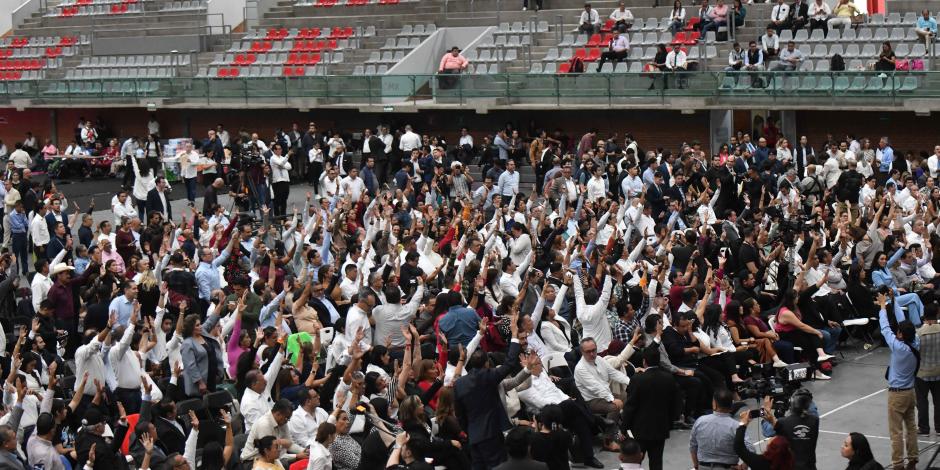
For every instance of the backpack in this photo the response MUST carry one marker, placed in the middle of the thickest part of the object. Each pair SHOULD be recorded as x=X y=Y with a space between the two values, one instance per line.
x=575 y=65
x=837 y=63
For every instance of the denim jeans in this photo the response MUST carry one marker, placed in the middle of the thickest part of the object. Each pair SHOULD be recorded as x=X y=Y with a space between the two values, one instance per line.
x=830 y=338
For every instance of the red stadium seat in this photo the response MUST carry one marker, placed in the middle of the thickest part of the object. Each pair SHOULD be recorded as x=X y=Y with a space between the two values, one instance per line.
x=595 y=40
x=594 y=55
x=581 y=54
x=292 y=58
x=692 y=38
x=222 y=73
x=564 y=67
x=692 y=23
x=288 y=72
x=679 y=38
x=608 y=26
x=234 y=72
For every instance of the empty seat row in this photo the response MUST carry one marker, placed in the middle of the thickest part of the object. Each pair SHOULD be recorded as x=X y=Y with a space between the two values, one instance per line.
x=107 y=88
x=259 y=46
x=12 y=75
x=483 y=69
x=403 y=43
x=29 y=52
x=511 y=41
x=894 y=18
x=134 y=61
x=290 y=58
x=370 y=69
x=93 y=2
x=388 y=57
x=608 y=67
x=494 y=55
x=850 y=35
x=43 y=41
x=337 y=32
x=185 y=6
x=267 y=71
x=524 y=27
x=96 y=10
x=418 y=30
x=839 y=84
x=27 y=64
x=95 y=73
x=348 y=3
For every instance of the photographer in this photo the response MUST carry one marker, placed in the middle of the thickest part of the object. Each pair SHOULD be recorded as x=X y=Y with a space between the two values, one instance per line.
x=800 y=427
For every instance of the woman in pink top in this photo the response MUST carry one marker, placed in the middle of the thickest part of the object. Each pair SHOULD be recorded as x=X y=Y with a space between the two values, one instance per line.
x=717 y=17
x=239 y=342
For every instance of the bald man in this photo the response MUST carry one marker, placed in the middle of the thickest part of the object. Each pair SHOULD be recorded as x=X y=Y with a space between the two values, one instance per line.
x=211 y=198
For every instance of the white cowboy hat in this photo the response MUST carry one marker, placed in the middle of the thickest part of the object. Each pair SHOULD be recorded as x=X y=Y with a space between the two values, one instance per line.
x=60 y=267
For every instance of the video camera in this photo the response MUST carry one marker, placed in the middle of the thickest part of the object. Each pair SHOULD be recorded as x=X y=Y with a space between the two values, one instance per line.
x=777 y=383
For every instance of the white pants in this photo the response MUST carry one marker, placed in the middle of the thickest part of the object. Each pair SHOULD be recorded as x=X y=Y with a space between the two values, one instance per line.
x=838 y=21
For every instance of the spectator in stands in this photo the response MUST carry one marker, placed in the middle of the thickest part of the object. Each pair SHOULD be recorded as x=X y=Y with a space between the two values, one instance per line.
x=616 y=51
x=819 y=13
x=703 y=10
x=659 y=63
x=623 y=18
x=753 y=61
x=716 y=18
x=799 y=15
x=676 y=17
x=770 y=43
x=740 y=13
x=843 y=14
x=590 y=21
x=452 y=63
x=779 y=17
x=20 y=158
x=538 y=5
x=790 y=59
x=886 y=59
x=736 y=58
x=676 y=63
x=926 y=27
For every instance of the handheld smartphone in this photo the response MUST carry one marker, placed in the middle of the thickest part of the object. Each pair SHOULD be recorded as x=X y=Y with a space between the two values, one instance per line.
x=755 y=413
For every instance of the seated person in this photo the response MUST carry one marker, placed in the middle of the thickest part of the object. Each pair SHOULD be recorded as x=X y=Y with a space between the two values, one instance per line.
x=623 y=18
x=716 y=18
x=735 y=58
x=779 y=17
x=617 y=50
x=590 y=21
x=819 y=13
x=676 y=62
x=842 y=14
x=926 y=27
x=452 y=63
x=770 y=43
x=790 y=58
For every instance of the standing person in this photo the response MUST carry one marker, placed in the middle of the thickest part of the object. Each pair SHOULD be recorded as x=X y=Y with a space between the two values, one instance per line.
x=928 y=376
x=310 y=145
x=905 y=360
x=479 y=406
x=650 y=408
x=712 y=441
x=280 y=178
x=128 y=151
x=158 y=200
x=189 y=171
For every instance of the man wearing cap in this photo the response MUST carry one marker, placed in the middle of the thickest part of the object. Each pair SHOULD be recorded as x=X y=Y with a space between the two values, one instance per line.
x=60 y=294
x=106 y=449
x=452 y=63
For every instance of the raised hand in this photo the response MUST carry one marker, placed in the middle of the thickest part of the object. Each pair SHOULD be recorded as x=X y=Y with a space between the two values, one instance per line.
x=194 y=420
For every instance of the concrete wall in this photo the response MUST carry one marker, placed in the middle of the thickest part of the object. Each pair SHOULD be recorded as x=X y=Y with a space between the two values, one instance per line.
x=14 y=11
x=147 y=45
x=233 y=13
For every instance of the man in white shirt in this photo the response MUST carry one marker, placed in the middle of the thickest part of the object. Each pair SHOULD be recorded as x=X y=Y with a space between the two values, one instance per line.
x=127 y=366
x=819 y=12
x=358 y=318
x=409 y=141
x=622 y=17
x=676 y=63
x=89 y=358
x=392 y=315
x=121 y=206
x=616 y=51
x=590 y=20
x=597 y=186
x=632 y=185
x=306 y=419
x=41 y=284
x=779 y=17
x=39 y=229
x=511 y=278
x=770 y=42
x=933 y=162
x=593 y=378
x=280 y=179
x=350 y=284
x=20 y=158
x=256 y=401
x=353 y=185
x=790 y=58
x=329 y=183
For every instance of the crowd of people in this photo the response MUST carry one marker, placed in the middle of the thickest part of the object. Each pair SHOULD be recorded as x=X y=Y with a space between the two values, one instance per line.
x=408 y=316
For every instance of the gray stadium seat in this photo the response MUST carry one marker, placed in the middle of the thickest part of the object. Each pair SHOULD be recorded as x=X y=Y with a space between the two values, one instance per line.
x=910 y=84
x=855 y=64
x=875 y=84
x=825 y=83
x=809 y=83
x=910 y=18
x=819 y=51
x=622 y=67
x=897 y=34
x=608 y=67
x=817 y=36
x=918 y=50
x=785 y=36
x=359 y=70
x=902 y=50
x=566 y=54
x=881 y=34
x=858 y=84
x=536 y=67
x=877 y=19
x=551 y=55
x=835 y=35
x=494 y=69
x=370 y=70
x=893 y=18
x=864 y=35
x=406 y=30
x=550 y=68
x=568 y=40
x=822 y=65
x=801 y=36
x=852 y=50
x=869 y=51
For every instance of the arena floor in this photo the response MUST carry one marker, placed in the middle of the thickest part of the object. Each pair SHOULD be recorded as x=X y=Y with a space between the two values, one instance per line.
x=854 y=400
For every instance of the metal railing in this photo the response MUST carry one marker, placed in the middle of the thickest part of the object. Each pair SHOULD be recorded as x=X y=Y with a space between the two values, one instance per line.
x=715 y=89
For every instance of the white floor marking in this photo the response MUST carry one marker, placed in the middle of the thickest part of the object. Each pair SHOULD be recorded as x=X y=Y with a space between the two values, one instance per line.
x=851 y=403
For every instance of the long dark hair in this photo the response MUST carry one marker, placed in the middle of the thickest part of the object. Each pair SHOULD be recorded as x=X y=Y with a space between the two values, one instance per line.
x=711 y=320
x=862 y=450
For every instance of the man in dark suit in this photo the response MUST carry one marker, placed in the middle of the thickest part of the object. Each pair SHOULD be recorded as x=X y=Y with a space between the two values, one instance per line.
x=479 y=408
x=650 y=408
x=799 y=15
x=804 y=156
x=211 y=197
x=667 y=167
x=158 y=200
x=655 y=196
x=517 y=443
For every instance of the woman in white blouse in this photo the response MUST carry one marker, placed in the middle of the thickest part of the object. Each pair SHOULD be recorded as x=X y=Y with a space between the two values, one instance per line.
x=554 y=330
x=716 y=343
x=676 y=17
x=320 y=457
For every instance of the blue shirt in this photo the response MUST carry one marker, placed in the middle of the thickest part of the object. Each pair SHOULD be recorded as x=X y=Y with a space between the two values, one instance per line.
x=123 y=307
x=883 y=277
x=928 y=24
x=712 y=439
x=887 y=157
x=903 y=363
x=207 y=275
x=459 y=325
x=508 y=184
x=18 y=222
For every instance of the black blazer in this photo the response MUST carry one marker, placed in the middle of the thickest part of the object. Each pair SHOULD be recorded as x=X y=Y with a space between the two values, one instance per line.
x=651 y=407
x=154 y=204
x=802 y=12
x=655 y=198
x=479 y=408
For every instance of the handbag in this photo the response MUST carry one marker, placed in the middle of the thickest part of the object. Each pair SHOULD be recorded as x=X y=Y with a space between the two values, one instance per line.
x=917 y=64
x=902 y=65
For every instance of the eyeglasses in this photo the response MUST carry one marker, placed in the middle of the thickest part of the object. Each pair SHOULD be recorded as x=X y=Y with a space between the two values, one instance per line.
x=590 y=351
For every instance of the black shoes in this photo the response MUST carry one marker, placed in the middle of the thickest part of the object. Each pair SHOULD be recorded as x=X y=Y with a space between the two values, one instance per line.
x=594 y=463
